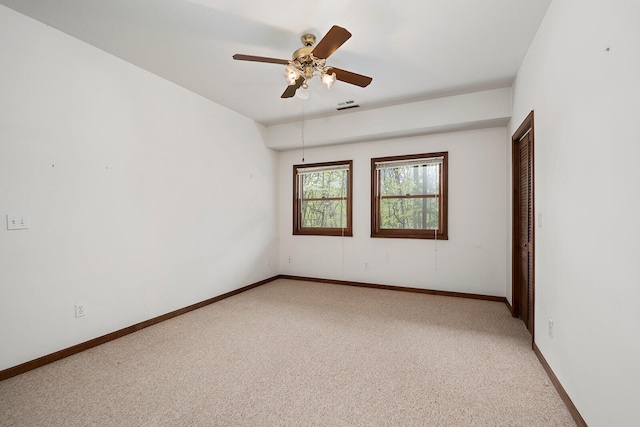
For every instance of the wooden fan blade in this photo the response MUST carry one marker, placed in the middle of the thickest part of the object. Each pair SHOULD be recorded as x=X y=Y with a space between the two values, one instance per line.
x=291 y=89
x=352 y=78
x=239 y=57
x=331 y=42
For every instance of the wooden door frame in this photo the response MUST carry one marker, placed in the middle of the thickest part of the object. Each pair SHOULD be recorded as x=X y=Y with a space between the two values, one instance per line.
x=526 y=126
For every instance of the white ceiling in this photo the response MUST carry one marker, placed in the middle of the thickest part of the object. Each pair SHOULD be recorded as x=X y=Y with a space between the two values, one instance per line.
x=413 y=49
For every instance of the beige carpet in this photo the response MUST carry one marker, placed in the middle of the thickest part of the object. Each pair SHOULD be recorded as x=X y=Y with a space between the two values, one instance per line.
x=305 y=354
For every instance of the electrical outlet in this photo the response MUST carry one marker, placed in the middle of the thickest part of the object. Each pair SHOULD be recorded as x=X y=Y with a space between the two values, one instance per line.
x=289 y=261
x=551 y=328
x=80 y=310
x=366 y=265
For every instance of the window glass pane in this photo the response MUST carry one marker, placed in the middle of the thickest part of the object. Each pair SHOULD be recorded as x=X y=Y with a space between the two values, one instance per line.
x=409 y=196
x=431 y=176
x=416 y=214
x=409 y=180
x=316 y=185
x=322 y=198
x=324 y=213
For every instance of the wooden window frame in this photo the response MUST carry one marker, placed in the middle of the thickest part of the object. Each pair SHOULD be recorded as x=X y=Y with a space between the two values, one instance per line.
x=298 y=229
x=442 y=232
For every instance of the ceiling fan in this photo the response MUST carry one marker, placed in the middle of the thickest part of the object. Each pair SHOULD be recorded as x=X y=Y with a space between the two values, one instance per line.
x=309 y=61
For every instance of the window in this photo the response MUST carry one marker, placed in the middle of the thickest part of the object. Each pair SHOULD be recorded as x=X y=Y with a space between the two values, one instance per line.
x=409 y=196
x=322 y=198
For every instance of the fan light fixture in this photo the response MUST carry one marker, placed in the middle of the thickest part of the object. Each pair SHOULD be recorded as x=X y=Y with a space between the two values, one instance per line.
x=305 y=64
x=329 y=79
x=292 y=74
x=303 y=93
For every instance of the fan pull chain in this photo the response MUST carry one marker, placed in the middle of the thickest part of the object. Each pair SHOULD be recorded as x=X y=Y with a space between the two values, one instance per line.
x=435 y=250
x=302 y=131
x=342 y=225
x=435 y=242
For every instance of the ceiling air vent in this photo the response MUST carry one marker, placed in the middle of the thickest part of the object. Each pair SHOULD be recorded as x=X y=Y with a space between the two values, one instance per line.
x=346 y=105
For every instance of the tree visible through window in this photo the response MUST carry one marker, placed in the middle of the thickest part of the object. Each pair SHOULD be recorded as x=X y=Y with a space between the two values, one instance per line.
x=322 y=198
x=409 y=196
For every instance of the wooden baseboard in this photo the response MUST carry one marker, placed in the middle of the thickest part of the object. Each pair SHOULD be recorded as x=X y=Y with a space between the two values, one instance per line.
x=49 y=358
x=561 y=391
x=399 y=288
x=509 y=306
x=44 y=360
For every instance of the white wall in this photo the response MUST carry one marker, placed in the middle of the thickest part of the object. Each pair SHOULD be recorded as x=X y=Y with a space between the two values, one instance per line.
x=587 y=171
x=127 y=180
x=472 y=260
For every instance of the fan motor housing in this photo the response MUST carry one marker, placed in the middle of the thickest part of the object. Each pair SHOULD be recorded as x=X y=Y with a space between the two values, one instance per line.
x=302 y=52
x=308 y=40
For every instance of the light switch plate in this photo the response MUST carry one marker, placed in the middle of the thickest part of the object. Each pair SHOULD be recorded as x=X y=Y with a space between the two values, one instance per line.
x=17 y=222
